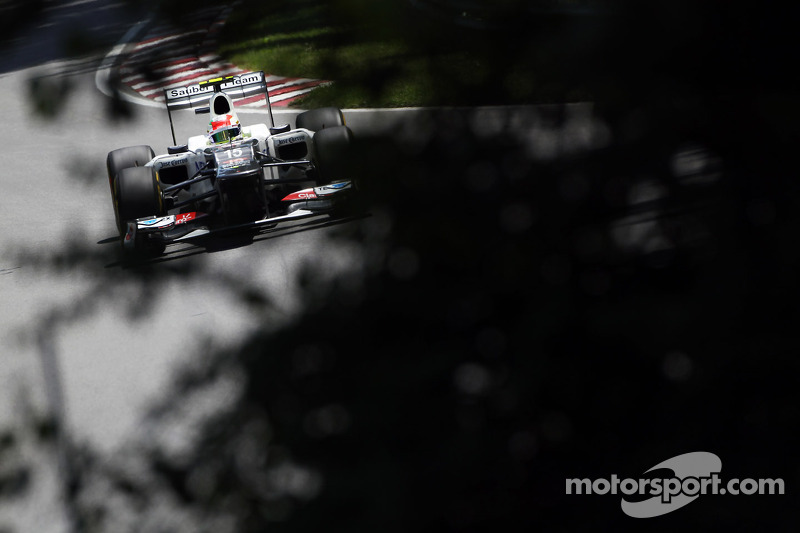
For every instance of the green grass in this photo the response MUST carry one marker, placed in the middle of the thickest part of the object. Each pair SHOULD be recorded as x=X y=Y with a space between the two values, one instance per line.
x=385 y=54
x=287 y=39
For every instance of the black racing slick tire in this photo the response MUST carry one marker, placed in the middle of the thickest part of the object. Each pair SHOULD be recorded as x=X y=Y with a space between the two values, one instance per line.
x=131 y=156
x=320 y=119
x=137 y=194
x=333 y=154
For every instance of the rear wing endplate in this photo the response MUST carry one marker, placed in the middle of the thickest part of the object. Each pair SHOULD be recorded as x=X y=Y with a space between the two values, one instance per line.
x=197 y=96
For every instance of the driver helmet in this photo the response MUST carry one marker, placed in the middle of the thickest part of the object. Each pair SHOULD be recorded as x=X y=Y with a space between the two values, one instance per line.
x=224 y=128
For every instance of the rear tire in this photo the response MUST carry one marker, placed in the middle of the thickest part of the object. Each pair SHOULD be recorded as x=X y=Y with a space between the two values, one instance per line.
x=137 y=195
x=320 y=119
x=332 y=154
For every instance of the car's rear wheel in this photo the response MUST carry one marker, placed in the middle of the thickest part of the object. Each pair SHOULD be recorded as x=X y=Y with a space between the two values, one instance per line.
x=320 y=119
x=137 y=194
x=332 y=154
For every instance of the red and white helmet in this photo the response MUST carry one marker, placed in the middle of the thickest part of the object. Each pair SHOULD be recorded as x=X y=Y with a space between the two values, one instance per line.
x=224 y=128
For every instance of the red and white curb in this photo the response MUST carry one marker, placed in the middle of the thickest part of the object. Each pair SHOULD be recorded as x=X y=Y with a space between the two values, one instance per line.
x=151 y=59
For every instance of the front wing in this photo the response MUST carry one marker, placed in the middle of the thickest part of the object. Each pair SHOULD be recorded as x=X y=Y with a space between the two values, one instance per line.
x=183 y=227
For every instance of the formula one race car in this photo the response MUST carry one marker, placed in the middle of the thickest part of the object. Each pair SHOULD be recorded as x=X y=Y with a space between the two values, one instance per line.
x=234 y=176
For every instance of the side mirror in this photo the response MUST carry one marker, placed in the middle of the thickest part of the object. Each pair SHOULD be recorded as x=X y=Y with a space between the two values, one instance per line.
x=202 y=110
x=179 y=149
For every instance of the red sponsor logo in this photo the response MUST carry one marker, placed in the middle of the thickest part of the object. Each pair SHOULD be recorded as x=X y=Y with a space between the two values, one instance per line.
x=301 y=195
x=183 y=218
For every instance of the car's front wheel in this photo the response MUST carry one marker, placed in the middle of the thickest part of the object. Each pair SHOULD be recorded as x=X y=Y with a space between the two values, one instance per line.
x=130 y=156
x=137 y=194
x=333 y=157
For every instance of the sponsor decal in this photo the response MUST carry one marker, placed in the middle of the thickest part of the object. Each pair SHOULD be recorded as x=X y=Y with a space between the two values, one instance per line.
x=183 y=218
x=174 y=163
x=152 y=221
x=340 y=185
x=305 y=194
x=156 y=223
x=192 y=90
x=234 y=163
x=245 y=79
x=333 y=188
x=189 y=91
x=291 y=140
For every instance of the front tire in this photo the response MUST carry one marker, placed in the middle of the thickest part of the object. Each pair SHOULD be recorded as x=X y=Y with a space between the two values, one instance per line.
x=332 y=154
x=131 y=156
x=137 y=194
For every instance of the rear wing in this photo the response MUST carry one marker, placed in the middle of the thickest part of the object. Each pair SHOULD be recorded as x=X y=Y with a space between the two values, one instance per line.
x=198 y=95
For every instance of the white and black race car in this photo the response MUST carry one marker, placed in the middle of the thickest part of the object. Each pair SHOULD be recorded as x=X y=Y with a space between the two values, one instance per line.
x=234 y=177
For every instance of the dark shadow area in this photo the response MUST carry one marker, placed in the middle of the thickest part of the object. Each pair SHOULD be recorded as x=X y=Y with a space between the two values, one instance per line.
x=454 y=53
x=518 y=319
x=42 y=31
x=25 y=14
x=518 y=322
